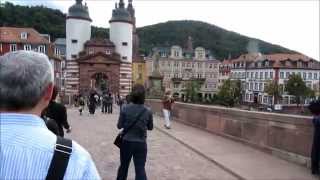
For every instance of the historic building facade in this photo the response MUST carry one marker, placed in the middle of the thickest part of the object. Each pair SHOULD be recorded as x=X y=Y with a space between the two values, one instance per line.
x=256 y=70
x=14 y=39
x=180 y=66
x=99 y=64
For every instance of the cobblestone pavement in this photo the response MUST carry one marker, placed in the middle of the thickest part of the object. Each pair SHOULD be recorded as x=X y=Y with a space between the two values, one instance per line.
x=167 y=158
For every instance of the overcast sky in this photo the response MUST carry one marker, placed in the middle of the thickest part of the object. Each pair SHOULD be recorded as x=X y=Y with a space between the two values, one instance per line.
x=290 y=23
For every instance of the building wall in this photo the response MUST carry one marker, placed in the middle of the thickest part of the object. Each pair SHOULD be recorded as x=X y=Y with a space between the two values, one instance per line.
x=125 y=78
x=286 y=136
x=187 y=69
x=76 y=29
x=121 y=32
x=89 y=70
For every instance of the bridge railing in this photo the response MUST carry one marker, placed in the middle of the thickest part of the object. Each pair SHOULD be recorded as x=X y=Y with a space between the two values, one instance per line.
x=285 y=136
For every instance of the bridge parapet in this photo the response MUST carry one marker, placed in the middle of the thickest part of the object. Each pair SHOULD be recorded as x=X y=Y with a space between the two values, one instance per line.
x=286 y=136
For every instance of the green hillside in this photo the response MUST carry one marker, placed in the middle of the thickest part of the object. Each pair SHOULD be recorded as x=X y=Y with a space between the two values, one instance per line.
x=221 y=42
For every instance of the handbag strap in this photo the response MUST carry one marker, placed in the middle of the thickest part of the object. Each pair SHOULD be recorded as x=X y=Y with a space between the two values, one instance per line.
x=60 y=159
x=134 y=123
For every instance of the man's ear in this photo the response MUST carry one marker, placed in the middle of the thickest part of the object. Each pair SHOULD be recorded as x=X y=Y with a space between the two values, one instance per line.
x=48 y=93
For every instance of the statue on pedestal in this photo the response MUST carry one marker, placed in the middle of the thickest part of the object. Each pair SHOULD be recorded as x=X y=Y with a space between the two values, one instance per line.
x=155 y=80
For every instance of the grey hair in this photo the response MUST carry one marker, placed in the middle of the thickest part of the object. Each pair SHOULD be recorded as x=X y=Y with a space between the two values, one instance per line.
x=24 y=77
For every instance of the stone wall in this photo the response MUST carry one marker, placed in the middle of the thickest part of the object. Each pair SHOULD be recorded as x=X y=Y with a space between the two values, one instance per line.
x=286 y=136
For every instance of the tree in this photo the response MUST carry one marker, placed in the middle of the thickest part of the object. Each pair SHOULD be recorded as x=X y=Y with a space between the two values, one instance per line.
x=273 y=89
x=192 y=90
x=297 y=87
x=229 y=93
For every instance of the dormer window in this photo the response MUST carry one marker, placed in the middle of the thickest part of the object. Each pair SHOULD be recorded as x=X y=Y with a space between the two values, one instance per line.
x=124 y=44
x=24 y=35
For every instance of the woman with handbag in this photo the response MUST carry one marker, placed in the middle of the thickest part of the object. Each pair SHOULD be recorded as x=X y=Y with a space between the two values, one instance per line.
x=135 y=119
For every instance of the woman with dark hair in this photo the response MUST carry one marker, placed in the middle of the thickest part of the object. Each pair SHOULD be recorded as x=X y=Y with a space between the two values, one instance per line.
x=58 y=113
x=134 y=143
x=92 y=103
x=314 y=108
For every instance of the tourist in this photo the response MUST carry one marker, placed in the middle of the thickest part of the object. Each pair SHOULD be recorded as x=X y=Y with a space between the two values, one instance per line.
x=167 y=102
x=57 y=112
x=314 y=108
x=134 y=143
x=104 y=103
x=81 y=103
x=92 y=103
x=109 y=103
x=27 y=146
x=120 y=102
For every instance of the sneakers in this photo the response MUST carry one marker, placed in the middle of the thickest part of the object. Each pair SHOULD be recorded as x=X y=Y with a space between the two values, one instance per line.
x=167 y=127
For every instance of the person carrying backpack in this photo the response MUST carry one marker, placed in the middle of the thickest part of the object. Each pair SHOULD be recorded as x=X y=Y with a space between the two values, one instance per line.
x=28 y=149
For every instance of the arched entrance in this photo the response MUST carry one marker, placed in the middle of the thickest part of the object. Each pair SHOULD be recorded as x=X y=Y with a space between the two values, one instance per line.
x=100 y=82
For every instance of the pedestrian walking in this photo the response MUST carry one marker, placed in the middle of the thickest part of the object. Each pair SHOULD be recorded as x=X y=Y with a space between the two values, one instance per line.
x=92 y=103
x=314 y=108
x=109 y=103
x=104 y=103
x=167 y=102
x=81 y=103
x=120 y=102
x=134 y=143
x=58 y=113
x=28 y=149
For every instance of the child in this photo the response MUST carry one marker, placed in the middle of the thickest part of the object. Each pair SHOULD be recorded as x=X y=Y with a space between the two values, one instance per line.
x=314 y=108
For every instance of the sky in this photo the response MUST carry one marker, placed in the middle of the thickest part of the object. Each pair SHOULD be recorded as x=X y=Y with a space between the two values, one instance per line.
x=293 y=24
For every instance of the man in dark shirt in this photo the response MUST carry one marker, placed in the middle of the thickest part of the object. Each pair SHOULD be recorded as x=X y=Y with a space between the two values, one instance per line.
x=57 y=112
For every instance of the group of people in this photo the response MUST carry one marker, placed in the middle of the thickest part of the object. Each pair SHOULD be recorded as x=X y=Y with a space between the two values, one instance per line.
x=30 y=151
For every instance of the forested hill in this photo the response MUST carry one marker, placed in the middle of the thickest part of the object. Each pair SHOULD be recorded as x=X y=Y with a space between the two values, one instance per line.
x=221 y=42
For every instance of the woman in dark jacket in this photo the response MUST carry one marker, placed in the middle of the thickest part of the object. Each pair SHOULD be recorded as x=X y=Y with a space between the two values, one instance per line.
x=92 y=103
x=58 y=113
x=314 y=108
x=134 y=142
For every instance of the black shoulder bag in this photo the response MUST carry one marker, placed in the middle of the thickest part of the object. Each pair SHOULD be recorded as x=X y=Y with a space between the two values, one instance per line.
x=120 y=136
x=60 y=159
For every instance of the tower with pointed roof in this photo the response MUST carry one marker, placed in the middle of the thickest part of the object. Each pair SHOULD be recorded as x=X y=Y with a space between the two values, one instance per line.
x=121 y=34
x=78 y=29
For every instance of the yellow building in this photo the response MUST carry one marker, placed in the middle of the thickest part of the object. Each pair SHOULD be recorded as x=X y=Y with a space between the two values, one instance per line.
x=139 y=75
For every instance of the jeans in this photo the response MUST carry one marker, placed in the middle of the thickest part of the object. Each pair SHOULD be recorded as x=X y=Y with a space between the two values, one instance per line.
x=109 y=108
x=166 y=115
x=137 y=150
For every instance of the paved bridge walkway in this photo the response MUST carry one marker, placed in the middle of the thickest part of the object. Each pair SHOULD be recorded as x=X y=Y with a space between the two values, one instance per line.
x=181 y=153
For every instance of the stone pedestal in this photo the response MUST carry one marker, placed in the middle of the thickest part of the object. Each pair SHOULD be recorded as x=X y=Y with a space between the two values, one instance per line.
x=155 y=89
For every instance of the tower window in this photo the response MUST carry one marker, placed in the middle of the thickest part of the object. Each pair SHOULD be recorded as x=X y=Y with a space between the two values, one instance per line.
x=123 y=87
x=124 y=57
x=74 y=56
x=108 y=51
x=124 y=44
x=74 y=41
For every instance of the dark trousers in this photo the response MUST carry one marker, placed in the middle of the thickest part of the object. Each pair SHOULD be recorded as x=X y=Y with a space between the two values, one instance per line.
x=109 y=108
x=315 y=153
x=104 y=108
x=138 y=151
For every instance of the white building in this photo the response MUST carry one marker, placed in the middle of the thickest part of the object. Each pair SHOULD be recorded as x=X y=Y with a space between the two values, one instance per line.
x=256 y=71
x=78 y=32
x=179 y=66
